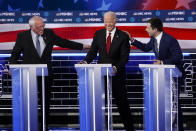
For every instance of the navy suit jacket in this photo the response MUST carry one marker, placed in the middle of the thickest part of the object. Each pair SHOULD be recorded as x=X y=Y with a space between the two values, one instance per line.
x=119 y=49
x=24 y=44
x=169 y=50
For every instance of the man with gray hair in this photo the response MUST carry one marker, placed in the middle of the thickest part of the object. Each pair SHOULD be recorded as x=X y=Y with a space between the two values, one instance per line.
x=36 y=46
x=113 y=47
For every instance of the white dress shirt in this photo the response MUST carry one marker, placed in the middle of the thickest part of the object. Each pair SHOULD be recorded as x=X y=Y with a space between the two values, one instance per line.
x=41 y=40
x=112 y=34
x=158 y=38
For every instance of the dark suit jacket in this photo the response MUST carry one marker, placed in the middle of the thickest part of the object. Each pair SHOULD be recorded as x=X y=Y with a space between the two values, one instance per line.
x=119 y=49
x=169 y=50
x=118 y=56
x=24 y=44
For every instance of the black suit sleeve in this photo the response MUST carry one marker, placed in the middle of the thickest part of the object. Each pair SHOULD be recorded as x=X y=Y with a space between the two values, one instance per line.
x=16 y=50
x=92 y=53
x=56 y=40
x=142 y=46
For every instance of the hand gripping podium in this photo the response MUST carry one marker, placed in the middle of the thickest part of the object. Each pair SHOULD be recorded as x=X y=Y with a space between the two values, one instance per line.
x=92 y=96
x=24 y=95
x=160 y=97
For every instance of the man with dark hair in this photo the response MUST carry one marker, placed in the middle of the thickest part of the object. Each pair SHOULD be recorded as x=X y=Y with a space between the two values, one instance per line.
x=167 y=51
x=156 y=23
x=166 y=48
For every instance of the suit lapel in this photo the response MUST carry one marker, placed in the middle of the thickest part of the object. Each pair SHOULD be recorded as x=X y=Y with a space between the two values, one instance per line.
x=161 y=43
x=45 y=42
x=103 y=37
x=31 y=44
x=114 y=40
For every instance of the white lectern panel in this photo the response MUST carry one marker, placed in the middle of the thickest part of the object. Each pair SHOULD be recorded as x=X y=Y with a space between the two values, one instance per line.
x=160 y=97
x=24 y=95
x=92 y=96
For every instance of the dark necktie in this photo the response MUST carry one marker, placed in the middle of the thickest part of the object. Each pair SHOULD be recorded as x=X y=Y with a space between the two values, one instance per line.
x=108 y=43
x=38 y=45
x=156 y=48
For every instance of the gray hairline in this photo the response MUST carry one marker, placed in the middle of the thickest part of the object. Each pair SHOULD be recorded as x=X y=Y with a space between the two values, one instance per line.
x=32 y=20
x=110 y=13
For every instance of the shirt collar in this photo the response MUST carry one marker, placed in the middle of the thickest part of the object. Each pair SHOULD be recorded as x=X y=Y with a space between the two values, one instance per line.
x=112 y=32
x=34 y=35
x=158 y=38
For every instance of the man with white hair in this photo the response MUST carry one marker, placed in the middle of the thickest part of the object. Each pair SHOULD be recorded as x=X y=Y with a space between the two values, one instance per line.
x=36 y=46
x=113 y=47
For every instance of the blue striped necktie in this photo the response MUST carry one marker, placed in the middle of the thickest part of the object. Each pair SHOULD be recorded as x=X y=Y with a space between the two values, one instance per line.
x=38 y=45
x=156 y=48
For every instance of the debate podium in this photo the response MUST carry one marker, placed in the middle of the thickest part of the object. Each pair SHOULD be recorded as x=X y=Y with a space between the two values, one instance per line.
x=24 y=95
x=160 y=97
x=92 y=96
